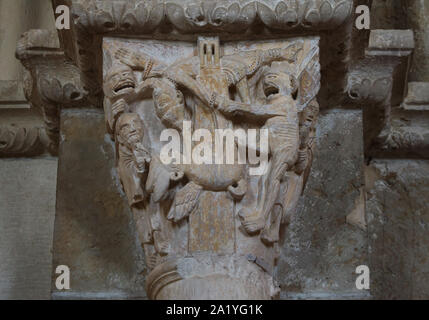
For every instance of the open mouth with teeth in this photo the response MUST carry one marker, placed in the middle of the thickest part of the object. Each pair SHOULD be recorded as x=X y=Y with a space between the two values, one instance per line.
x=124 y=85
x=271 y=89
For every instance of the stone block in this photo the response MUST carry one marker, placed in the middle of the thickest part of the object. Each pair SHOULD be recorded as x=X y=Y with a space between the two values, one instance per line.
x=94 y=231
x=320 y=250
x=27 y=210
x=398 y=224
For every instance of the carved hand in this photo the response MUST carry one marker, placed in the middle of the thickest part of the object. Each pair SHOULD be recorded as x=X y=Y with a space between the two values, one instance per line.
x=129 y=58
x=118 y=108
x=142 y=157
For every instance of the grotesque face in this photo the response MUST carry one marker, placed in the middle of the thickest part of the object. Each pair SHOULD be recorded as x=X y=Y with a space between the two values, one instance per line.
x=131 y=129
x=277 y=83
x=119 y=81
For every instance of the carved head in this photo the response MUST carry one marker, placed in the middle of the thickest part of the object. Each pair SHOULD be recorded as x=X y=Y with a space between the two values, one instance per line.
x=130 y=129
x=278 y=83
x=119 y=81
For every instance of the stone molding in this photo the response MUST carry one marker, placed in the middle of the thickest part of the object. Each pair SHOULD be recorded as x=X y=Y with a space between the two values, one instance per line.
x=140 y=17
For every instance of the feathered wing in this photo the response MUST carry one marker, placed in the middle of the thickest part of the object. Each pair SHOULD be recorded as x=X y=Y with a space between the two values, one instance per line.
x=185 y=201
x=308 y=78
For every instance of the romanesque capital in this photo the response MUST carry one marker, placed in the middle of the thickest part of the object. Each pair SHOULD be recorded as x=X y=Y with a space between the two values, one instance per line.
x=208 y=215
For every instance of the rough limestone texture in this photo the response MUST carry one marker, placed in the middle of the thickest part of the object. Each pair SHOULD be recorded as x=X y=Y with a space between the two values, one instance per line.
x=27 y=209
x=418 y=19
x=398 y=227
x=16 y=17
x=321 y=250
x=94 y=234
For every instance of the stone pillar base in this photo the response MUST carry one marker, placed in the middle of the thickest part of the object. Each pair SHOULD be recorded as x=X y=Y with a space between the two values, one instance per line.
x=210 y=277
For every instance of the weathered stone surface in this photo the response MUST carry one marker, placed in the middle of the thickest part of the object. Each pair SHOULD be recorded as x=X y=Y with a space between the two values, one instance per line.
x=27 y=209
x=219 y=255
x=16 y=17
x=418 y=96
x=320 y=250
x=418 y=20
x=155 y=85
x=94 y=233
x=398 y=223
x=388 y=14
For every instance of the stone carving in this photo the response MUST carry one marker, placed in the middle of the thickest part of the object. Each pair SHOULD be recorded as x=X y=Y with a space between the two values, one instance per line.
x=20 y=141
x=188 y=214
x=378 y=83
x=50 y=81
x=138 y=16
x=372 y=85
x=183 y=20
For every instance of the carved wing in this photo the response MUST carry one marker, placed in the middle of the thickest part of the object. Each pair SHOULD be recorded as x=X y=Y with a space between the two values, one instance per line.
x=185 y=201
x=308 y=78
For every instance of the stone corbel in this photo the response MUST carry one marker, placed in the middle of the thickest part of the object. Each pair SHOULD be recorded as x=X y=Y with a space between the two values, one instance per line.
x=378 y=84
x=50 y=81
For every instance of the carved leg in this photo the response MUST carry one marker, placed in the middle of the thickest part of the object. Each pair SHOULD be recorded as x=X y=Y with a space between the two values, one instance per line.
x=251 y=216
x=271 y=231
x=162 y=245
x=243 y=91
x=143 y=225
x=255 y=220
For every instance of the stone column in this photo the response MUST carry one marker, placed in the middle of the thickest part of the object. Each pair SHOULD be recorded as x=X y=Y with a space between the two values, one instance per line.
x=418 y=20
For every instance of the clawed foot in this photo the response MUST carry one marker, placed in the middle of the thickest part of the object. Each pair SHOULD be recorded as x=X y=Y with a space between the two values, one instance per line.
x=268 y=237
x=152 y=260
x=251 y=221
x=162 y=247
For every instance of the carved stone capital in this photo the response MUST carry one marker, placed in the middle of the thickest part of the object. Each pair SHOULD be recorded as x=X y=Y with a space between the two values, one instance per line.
x=210 y=229
x=50 y=81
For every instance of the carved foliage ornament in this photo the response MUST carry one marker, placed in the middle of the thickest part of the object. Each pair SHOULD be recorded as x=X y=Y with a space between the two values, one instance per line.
x=142 y=17
x=186 y=213
x=19 y=141
x=50 y=80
